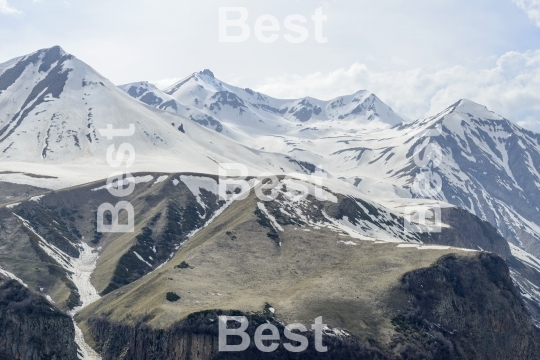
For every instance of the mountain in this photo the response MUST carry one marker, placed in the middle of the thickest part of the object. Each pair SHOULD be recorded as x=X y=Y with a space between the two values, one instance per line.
x=241 y=113
x=52 y=106
x=380 y=300
x=385 y=292
x=488 y=165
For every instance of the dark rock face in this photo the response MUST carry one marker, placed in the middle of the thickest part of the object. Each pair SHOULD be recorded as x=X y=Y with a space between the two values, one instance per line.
x=469 y=232
x=459 y=308
x=151 y=99
x=206 y=120
x=197 y=338
x=207 y=72
x=31 y=328
x=137 y=92
x=168 y=104
x=465 y=308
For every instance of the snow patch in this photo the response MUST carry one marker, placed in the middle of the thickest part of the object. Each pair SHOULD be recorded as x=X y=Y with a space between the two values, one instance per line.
x=272 y=219
x=141 y=258
x=433 y=247
x=12 y=276
x=352 y=243
x=525 y=257
x=196 y=183
x=136 y=179
x=160 y=179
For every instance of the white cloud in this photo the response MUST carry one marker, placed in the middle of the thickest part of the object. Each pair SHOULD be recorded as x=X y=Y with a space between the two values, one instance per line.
x=165 y=83
x=5 y=8
x=531 y=7
x=510 y=88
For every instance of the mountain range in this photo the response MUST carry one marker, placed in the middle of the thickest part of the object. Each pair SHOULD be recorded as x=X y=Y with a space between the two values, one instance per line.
x=488 y=165
x=215 y=254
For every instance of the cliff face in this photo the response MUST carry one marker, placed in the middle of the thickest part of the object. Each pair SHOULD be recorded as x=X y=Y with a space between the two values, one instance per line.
x=196 y=338
x=469 y=232
x=465 y=308
x=31 y=328
x=459 y=308
x=117 y=341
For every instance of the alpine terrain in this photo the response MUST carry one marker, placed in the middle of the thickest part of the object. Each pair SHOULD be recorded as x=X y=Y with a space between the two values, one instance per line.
x=412 y=240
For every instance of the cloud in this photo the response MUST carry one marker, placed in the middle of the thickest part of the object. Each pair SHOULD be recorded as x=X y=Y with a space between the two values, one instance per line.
x=165 y=83
x=509 y=88
x=5 y=8
x=532 y=8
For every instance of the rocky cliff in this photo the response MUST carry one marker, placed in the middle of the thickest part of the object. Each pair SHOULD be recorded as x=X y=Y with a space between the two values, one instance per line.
x=196 y=338
x=465 y=308
x=468 y=231
x=31 y=328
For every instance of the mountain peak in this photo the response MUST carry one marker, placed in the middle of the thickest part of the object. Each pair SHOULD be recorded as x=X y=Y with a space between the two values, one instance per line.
x=472 y=110
x=205 y=76
x=55 y=52
x=465 y=111
x=207 y=72
x=362 y=92
x=466 y=103
x=55 y=48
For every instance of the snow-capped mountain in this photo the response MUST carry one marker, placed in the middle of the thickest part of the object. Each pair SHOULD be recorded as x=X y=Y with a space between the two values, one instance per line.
x=52 y=107
x=487 y=164
x=491 y=167
x=242 y=113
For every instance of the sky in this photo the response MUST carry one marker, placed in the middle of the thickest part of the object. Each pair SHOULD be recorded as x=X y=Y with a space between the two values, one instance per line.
x=418 y=56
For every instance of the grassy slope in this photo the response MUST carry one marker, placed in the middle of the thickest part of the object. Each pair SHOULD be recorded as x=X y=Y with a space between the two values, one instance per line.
x=80 y=205
x=236 y=266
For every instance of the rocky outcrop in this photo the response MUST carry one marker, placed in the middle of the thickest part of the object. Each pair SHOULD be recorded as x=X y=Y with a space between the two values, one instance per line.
x=468 y=231
x=465 y=308
x=31 y=328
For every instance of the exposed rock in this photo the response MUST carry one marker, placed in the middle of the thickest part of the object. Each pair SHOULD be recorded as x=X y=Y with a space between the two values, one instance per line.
x=31 y=328
x=465 y=308
x=469 y=232
x=197 y=338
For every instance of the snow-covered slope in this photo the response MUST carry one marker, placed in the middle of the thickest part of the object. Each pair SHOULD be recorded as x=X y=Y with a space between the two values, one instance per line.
x=487 y=165
x=52 y=107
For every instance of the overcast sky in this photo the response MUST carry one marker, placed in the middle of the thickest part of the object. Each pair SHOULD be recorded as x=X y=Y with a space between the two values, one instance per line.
x=419 y=56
